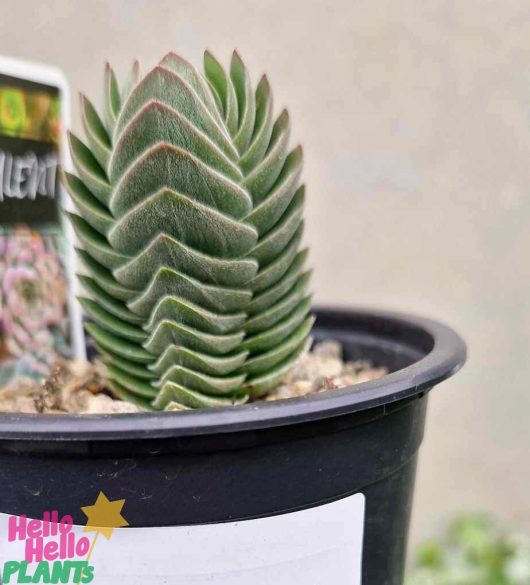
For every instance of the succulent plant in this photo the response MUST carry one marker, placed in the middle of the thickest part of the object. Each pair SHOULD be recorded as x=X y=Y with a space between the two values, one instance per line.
x=190 y=223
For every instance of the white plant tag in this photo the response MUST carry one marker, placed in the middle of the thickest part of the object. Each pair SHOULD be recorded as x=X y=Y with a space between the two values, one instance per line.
x=318 y=546
x=39 y=317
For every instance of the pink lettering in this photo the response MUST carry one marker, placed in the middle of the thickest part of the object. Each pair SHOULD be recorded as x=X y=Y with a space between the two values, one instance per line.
x=16 y=528
x=51 y=551
x=82 y=546
x=34 y=550
x=34 y=528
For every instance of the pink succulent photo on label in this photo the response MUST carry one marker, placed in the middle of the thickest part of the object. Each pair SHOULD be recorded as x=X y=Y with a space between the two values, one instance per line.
x=33 y=299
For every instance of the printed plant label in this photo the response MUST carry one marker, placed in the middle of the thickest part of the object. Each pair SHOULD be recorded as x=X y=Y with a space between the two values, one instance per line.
x=317 y=546
x=34 y=319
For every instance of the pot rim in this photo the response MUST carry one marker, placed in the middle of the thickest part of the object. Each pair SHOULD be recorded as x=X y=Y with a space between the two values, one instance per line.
x=446 y=356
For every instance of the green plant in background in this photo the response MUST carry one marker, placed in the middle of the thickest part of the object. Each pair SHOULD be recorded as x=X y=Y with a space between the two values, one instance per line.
x=476 y=551
x=190 y=220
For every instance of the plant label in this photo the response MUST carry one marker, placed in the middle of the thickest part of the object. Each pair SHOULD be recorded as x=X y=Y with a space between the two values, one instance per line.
x=39 y=321
x=317 y=546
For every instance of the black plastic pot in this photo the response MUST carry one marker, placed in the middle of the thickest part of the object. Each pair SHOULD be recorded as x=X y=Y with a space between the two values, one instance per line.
x=257 y=460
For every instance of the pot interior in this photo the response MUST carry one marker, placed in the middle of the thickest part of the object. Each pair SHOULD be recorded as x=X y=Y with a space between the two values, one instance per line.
x=384 y=342
x=418 y=353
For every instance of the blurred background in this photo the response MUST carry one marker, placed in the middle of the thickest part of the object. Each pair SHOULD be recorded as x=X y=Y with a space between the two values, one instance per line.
x=414 y=116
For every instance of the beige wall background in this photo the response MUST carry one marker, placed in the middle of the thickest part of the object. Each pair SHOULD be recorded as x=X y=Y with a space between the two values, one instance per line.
x=415 y=118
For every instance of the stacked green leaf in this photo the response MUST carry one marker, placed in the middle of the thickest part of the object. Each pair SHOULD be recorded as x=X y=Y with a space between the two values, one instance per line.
x=190 y=225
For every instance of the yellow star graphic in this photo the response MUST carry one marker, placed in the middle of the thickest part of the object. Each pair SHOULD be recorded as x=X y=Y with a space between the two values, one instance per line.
x=104 y=516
